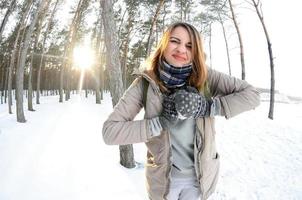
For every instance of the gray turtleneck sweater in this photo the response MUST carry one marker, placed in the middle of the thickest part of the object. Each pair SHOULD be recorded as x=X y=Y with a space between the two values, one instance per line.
x=182 y=138
x=182 y=141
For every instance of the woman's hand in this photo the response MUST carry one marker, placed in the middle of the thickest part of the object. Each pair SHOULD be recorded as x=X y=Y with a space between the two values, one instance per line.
x=169 y=115
x=189 y=103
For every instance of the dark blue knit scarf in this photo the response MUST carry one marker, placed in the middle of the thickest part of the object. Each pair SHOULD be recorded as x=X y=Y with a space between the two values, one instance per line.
x=174 y=77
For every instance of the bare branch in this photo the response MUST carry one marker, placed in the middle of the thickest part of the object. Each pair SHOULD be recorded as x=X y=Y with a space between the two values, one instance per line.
x=260 y=8
x=248 y=2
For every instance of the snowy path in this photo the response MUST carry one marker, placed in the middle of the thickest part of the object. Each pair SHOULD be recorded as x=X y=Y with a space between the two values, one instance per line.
x=59 y=154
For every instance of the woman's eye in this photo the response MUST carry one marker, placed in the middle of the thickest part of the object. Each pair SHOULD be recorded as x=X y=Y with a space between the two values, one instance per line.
x=174 y=41
x=189 y=46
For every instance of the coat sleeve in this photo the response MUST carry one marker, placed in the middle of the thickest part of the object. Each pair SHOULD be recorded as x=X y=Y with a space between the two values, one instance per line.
x=120 y=128
x=235 y=95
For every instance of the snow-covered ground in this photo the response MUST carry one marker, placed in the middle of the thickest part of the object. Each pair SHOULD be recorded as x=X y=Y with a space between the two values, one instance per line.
x=59 y=154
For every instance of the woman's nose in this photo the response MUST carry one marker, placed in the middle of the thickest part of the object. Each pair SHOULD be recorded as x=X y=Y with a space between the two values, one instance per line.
x=181 y=48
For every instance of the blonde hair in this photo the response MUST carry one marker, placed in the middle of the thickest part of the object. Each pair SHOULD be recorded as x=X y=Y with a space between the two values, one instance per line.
x=199 y=73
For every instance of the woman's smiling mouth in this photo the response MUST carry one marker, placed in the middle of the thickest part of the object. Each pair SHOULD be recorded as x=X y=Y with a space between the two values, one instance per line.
x=179 y=58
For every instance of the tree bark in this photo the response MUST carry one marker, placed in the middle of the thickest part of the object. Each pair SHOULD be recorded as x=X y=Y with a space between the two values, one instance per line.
x=61 y=88
x=26 y=6
x=2 y=80
x=98 y=63
x=210 y=44
x=226 y=45
x=125 y=48
x=43 y=51
x=271 y=59
x=153 y=23
x=181 y=11
x=102 y=71
x=240 y=41
x=6 y=16
x=30 y=90
x=41 y=16
x=6 y=83
x=20 y=68
x=115 y=75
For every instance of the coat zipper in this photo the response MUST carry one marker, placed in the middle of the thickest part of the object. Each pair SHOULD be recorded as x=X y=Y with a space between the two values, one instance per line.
x=168 y=174
x=198 y=161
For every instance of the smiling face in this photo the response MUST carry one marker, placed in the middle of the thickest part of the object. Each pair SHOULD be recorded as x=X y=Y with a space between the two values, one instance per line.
x=179 y=49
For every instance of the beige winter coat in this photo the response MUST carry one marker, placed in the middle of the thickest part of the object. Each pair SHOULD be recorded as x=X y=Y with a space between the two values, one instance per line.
x=235 y=95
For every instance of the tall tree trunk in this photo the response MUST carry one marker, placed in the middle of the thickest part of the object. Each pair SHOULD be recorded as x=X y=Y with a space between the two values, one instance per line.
x=47 y=81
x=10 y=76
x=86 y=84
x=35 y=47
x=181 y=11
x=43 y=50
x=26 y=6
x=6 y=84
x=115 y=75
x=98 y=85
x=39 y=77
x=271 y=59
x=125 y=48
x=153 y=23
x=102 y=72
x=186 y=10
x=210 y=44
x=20 y=67
x=226 y=45
x=6 y=16
x=121 y=24
x=2 y=79
x=164 y=17
x=30 y=89
x=240 y=41
x=98 y=63
x=61 y=88
x=67 y=82
x=38 y=33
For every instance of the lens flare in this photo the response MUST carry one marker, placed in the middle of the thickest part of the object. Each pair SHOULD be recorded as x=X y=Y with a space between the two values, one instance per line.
x=83 y=57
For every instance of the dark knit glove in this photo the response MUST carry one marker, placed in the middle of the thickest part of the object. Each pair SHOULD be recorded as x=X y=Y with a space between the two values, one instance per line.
x=169 y=115
x=189 y=103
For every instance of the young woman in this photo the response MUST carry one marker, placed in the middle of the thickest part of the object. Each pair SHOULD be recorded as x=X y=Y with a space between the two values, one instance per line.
x=183 y=96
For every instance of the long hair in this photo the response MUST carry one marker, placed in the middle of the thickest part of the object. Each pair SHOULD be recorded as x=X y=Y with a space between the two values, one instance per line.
x=199 y=73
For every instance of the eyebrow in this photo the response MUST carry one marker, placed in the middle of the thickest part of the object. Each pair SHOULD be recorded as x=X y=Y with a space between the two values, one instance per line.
x=173 y=37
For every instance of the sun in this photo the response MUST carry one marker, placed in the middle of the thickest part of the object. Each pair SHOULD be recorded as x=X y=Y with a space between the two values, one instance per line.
x=83 y=57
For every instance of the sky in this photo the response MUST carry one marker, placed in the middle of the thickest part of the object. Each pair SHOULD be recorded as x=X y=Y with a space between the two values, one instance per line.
x=59 y=154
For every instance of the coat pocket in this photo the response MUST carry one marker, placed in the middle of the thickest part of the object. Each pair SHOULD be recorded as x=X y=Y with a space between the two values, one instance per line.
x=210 y=175
x=156 y=179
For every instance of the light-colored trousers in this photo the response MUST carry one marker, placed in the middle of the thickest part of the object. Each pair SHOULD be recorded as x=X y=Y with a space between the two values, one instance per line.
x=184 y=189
